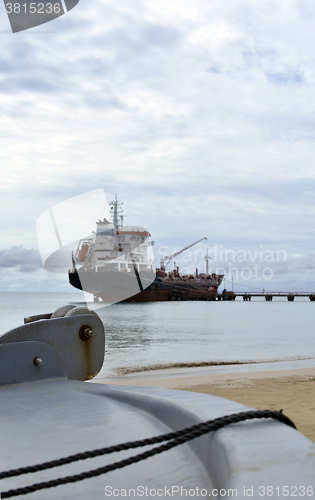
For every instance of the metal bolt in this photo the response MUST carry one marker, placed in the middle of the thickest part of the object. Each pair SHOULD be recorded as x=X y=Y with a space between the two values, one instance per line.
x=85 y=333
x=37 y=361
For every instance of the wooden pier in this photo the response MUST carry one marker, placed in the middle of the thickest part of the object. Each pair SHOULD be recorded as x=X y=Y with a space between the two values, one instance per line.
x=246 y=296
x=268 y=296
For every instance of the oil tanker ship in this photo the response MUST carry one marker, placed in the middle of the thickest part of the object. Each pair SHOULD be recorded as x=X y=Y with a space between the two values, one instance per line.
x=116 y=264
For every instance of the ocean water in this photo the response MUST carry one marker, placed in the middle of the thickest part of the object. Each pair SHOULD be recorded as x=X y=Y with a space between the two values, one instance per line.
x=151 y=335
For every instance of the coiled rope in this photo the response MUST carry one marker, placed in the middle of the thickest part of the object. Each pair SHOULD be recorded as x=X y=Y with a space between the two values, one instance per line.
x=173 y=439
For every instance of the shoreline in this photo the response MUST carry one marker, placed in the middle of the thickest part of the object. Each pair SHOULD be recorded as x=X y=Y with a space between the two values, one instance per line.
x=151 y=369
x=292 y=390
x=192 y=369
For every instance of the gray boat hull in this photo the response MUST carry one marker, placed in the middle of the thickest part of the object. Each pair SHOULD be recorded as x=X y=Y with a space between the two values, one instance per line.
x=46 y=416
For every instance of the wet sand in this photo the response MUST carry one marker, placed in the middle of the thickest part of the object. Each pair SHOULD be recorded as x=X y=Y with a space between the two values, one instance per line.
x=290 y=390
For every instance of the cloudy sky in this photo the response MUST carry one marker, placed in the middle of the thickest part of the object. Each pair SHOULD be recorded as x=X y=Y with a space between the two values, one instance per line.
x=198 y=114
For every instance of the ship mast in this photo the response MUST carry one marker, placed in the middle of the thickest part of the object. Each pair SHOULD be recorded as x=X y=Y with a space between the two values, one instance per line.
x=116 y=206
x=117 y=211
x=207 y=258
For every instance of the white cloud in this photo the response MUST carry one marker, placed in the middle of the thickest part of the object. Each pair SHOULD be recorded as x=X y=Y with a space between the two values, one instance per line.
x=199 y=115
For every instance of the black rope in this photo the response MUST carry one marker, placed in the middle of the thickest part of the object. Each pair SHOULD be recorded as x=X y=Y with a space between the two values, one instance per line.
x=174 y=439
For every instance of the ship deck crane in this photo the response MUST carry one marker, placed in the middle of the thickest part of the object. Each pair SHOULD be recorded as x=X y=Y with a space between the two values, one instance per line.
x=170 y=257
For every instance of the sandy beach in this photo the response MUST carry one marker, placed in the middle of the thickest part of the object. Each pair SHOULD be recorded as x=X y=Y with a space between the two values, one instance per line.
x=290 y=390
